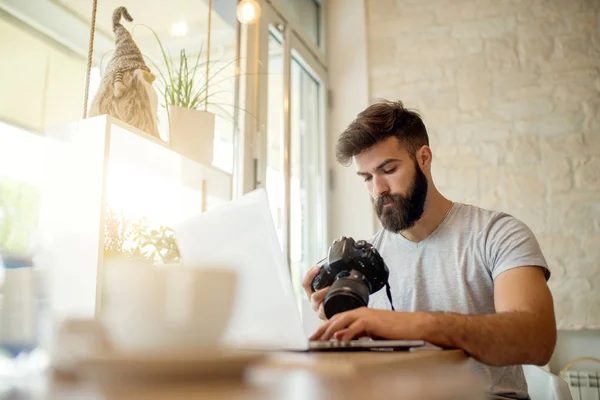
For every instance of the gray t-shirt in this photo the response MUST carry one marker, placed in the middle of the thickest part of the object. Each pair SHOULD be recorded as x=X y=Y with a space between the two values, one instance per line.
x=453 y=270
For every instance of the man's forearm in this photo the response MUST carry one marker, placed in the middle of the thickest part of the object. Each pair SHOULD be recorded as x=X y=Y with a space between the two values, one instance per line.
x=507 y=338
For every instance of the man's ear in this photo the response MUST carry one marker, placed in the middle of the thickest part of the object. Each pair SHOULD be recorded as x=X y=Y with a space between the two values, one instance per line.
x=424 y=157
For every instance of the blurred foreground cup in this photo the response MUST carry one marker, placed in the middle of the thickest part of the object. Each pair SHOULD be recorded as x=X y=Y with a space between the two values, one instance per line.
x=170 y=308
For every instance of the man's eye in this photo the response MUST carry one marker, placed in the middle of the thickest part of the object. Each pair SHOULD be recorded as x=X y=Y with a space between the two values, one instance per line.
x=389 y=171
x=368 y=178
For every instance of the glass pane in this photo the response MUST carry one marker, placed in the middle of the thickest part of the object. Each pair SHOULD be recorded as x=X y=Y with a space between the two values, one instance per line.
x=22 y=175
x=275 y=184
x=308 y=15
x=51 y=94
x=305 y=172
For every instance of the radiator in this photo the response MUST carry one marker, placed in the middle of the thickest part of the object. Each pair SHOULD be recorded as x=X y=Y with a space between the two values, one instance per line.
x=583 y=384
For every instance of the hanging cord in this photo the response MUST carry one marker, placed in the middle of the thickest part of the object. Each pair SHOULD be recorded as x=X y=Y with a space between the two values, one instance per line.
x=210 y=6
x=388 y=291
x=89 y=60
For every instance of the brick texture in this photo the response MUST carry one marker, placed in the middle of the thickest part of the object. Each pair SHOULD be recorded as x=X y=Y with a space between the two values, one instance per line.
x=510 y=92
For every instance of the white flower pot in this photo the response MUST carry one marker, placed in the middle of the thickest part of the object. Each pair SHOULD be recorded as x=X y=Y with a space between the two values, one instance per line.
x=191 y=133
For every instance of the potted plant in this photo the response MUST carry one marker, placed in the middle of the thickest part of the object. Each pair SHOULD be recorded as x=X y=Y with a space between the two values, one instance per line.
x=190 y=125
x=137 y=241
x=120 y=246
x=184 y=86
x=158 y=244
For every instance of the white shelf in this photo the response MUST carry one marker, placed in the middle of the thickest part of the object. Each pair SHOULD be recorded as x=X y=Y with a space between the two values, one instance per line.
x=100 y=162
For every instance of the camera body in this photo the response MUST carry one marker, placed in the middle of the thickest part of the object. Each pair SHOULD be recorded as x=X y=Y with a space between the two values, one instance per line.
x=354 y=270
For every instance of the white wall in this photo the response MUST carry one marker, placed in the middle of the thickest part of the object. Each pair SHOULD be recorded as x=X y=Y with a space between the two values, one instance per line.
x=350 y=207
x=574 y=344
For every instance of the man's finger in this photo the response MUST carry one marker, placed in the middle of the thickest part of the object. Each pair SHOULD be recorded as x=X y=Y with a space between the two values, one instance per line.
x=355 y=330
x=319 y=295
x=340 y=321
x=322 y=312
x=319 y=332
x=308 y=278
x=316 y=299
x=339 y=335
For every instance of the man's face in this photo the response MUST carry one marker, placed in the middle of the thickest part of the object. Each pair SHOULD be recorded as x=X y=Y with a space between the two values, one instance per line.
x=396 y=183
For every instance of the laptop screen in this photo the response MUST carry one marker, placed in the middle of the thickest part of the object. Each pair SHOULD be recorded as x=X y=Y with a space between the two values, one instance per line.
x=241 y=235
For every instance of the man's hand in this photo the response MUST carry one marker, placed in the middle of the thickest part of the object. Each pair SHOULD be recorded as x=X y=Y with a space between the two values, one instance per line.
x=316 y=298
x=372 y=323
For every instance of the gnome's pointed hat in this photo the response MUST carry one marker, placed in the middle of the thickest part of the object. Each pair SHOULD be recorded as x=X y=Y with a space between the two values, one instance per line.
x=127 y=55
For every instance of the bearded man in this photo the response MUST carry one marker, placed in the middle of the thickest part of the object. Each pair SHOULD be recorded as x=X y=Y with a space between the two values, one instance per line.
x=126 y=90
x=460 y=276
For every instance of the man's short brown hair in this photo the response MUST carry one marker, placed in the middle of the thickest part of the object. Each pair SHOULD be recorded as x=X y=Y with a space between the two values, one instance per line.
x=378 y=122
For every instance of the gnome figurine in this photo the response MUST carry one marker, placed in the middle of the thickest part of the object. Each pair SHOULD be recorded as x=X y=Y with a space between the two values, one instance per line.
x=126 y=90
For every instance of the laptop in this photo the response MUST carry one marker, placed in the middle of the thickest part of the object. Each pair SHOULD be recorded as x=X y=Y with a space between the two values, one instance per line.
x=241 y=235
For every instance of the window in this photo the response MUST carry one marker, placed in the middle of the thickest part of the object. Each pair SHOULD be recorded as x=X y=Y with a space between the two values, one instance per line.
x=49 y=87
x=47 y=92
x=308 y=14
x=307 y=231
x=291 y=158
x=275 y=176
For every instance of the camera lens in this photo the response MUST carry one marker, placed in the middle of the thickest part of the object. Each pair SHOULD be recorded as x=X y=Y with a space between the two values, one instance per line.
x=346 y=294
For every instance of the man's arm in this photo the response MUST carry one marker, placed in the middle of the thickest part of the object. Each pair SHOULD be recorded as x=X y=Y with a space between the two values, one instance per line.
x=522 y=331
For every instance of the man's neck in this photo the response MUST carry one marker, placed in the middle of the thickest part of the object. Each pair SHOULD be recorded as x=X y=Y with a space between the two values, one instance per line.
x=435 y=210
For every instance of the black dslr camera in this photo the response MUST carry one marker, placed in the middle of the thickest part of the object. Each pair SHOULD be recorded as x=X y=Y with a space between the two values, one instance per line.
x=354 y=270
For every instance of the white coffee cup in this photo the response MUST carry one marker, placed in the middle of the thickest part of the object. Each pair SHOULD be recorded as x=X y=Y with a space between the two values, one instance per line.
x=170 y=308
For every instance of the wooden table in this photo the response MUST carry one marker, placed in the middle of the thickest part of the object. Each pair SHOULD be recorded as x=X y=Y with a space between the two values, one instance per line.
x=351 y=363
x=421 y=375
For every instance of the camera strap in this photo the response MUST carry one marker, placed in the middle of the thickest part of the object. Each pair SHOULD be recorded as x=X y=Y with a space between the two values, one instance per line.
x=388 y=291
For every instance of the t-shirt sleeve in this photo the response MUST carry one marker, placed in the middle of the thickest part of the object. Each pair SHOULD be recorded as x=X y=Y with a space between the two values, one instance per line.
x=511 y=244
x=376 y=239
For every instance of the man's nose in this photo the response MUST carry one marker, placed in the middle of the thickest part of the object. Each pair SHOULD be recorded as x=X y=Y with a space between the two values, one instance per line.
x=380 y=186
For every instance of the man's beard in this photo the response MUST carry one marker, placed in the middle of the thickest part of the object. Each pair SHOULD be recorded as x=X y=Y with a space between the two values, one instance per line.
x=404 y=211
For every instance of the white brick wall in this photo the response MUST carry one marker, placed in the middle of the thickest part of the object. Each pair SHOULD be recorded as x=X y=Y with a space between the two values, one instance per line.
x=510 y=93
